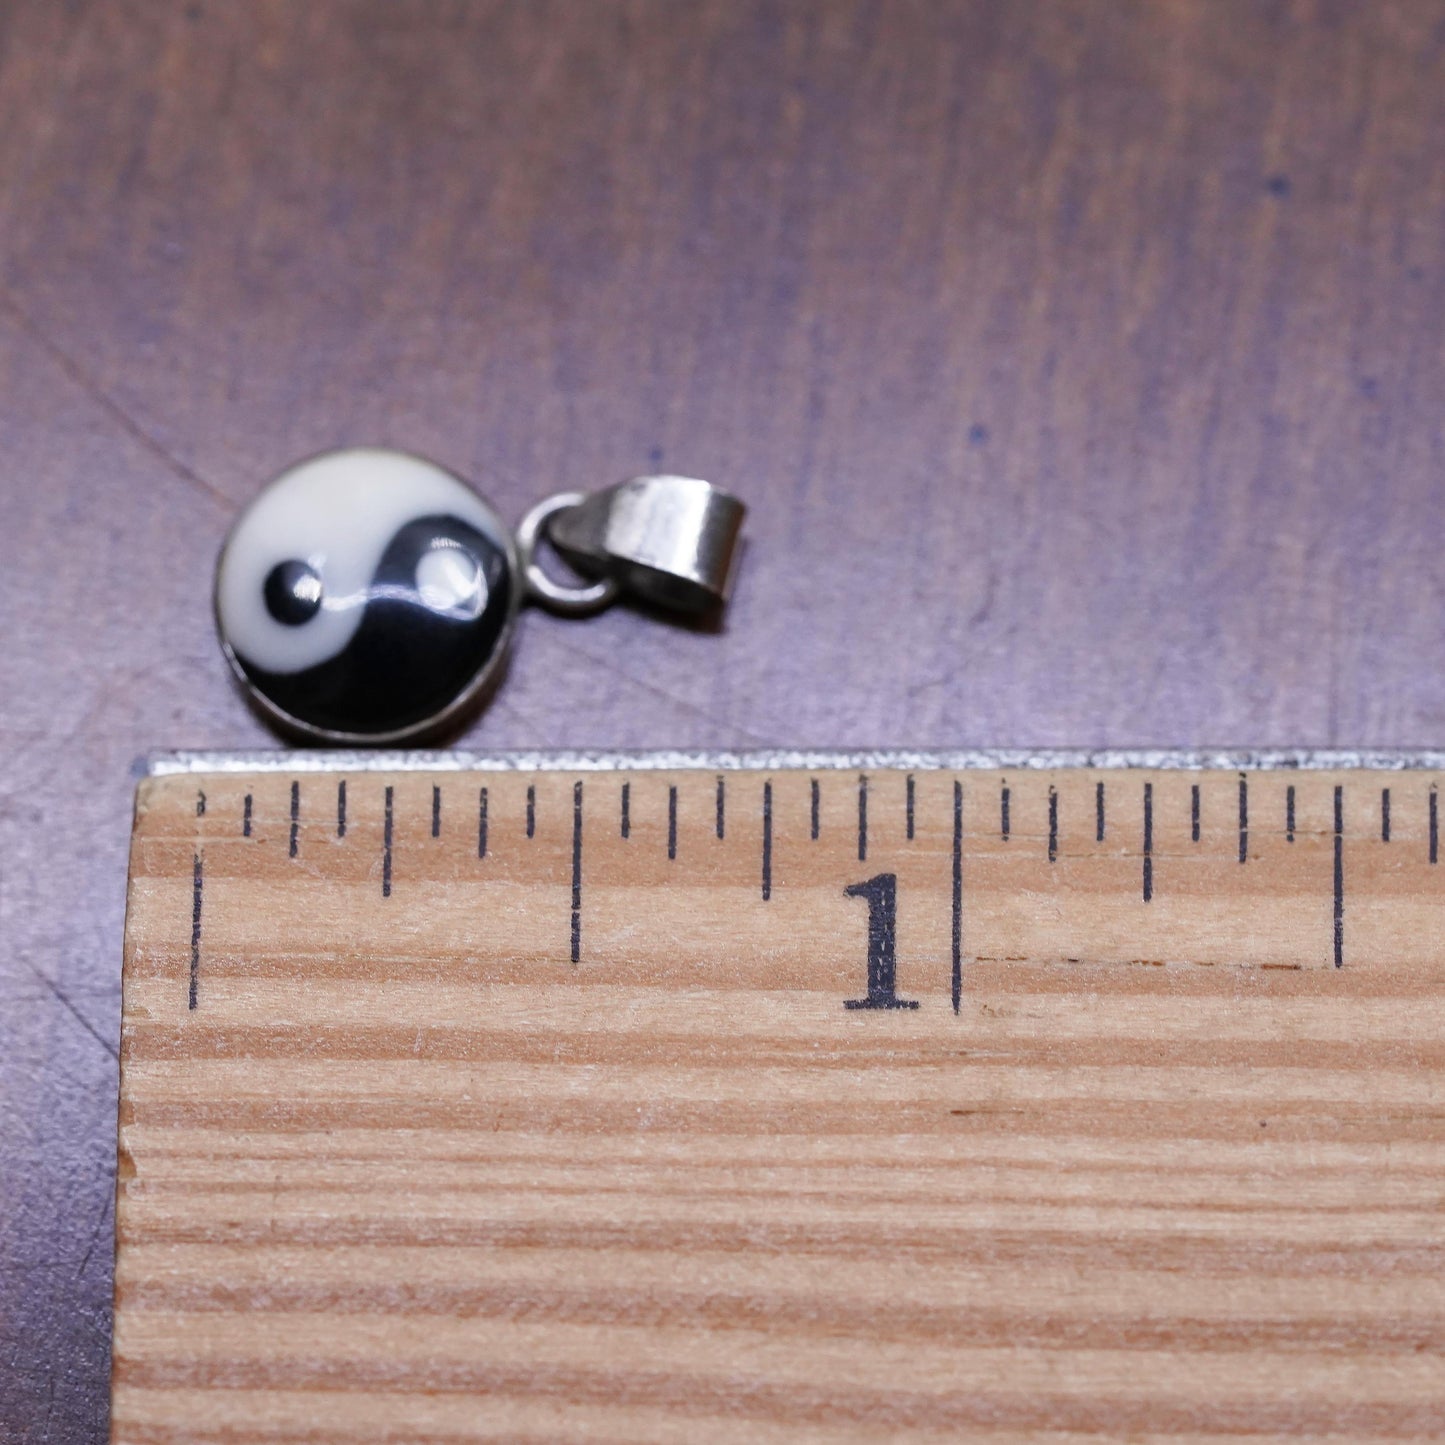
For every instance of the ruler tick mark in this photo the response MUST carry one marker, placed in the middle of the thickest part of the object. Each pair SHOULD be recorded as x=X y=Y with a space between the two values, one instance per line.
x=627 y=810
x=1243 y=818
x=862 y=817
x=482 y=823
x=197 y=885
x=721 y=806
x=1384 y=815
x=957 y=983
x=436 y=810
x=341 y=809
x=768 y=838
x=577 y=870
x=1339 y=876
x=672 y=821
x=246 y=817
x=1148 y=842
x=1053 y=824
x=1289 y=814
x=908 y=805
x=531 y=810
x=386 y=847
x=295 y=819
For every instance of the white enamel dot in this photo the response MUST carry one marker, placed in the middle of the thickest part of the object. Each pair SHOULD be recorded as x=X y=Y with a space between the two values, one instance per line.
x=449 y=580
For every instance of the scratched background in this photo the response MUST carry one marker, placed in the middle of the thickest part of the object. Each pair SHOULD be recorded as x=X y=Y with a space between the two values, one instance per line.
x=1083 y=365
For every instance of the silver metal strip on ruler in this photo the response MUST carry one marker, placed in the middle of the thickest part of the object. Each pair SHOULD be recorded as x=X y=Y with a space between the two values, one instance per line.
x=783 y=759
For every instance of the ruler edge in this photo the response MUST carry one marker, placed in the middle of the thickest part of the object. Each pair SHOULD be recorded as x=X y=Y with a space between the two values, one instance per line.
x=275 y=760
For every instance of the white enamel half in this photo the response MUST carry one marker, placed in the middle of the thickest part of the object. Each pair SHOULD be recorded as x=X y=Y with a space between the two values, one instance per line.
x=338 y=512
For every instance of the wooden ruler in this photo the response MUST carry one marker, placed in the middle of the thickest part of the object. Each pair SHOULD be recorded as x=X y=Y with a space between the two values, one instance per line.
x=786 y=1102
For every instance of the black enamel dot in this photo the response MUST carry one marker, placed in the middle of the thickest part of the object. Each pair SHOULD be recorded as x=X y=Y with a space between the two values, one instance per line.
x=366 y=596
x=293 y=592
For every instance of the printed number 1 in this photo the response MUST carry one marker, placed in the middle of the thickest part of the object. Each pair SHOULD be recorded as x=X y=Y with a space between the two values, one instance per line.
x=882 y=895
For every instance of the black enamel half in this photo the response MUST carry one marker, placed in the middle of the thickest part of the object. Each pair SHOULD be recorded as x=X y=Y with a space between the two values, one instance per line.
x=411 y=657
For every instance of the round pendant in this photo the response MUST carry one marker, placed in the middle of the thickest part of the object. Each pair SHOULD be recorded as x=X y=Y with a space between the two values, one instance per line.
x=367 y=596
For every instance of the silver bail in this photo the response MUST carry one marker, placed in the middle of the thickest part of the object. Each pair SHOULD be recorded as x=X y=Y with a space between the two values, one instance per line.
x=669 y=540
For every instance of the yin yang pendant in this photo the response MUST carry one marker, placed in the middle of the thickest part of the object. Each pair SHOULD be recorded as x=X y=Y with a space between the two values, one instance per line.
x=370 y=596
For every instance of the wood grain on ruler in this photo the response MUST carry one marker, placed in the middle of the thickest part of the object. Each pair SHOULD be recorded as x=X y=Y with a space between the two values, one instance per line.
x=465 y=1105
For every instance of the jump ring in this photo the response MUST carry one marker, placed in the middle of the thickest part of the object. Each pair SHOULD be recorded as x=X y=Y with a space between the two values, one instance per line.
x=555 y=596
